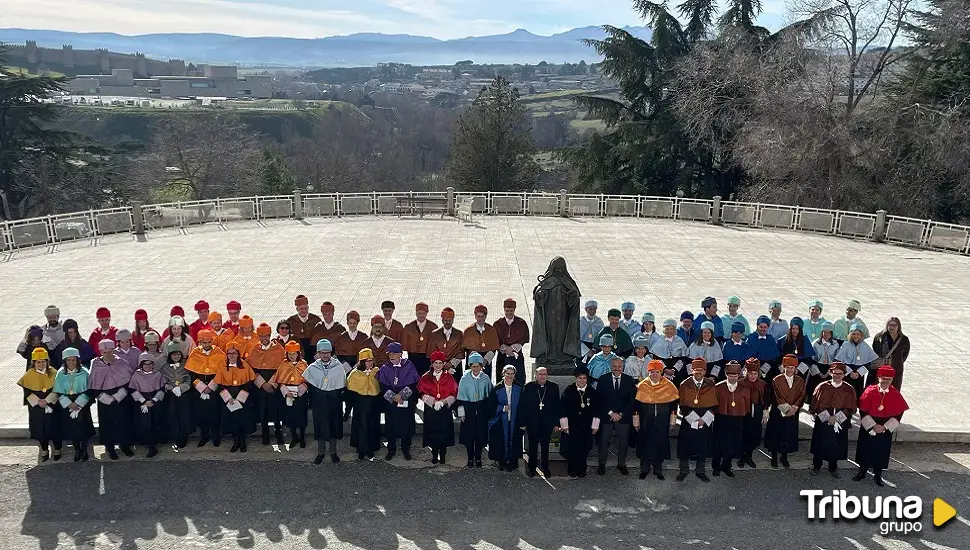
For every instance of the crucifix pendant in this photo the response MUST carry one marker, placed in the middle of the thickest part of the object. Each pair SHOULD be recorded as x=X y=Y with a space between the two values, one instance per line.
x=541 y=404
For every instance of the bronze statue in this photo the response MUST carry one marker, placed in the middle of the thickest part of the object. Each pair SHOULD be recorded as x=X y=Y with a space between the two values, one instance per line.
x=555 y=334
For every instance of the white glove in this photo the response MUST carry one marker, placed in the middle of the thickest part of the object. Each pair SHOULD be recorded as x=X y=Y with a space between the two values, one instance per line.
x=177 y=391
x=489 y=356
x=144 y=409
x=205 y=396
x=428 y=400
x=438 y=405
x=48 y=410
x=678 y=365
x=74 y=414
x=456 y=362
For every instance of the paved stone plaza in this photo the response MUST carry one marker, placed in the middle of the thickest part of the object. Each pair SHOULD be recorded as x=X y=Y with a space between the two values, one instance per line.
x=662 y=266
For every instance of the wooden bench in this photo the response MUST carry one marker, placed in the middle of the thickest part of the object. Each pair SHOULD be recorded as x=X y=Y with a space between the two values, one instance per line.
x=421 y=205
x=464 y=210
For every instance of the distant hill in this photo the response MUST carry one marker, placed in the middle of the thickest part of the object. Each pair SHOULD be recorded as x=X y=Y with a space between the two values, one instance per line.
x=519 y=46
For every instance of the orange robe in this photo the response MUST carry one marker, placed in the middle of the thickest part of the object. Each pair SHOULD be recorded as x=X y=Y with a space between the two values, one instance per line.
x=203 y=364
x=266 y=361
x=221 y=340
x=246 y=345
x=482 y=343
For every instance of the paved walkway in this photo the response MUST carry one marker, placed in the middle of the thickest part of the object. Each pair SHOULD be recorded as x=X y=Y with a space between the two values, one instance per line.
x=662 y=266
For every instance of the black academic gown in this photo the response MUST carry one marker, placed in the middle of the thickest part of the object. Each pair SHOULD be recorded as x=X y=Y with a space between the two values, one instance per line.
x=580 y=409
x=75 y=429
x=399 y=421
x=114 y=420
x=653 y=438
x=207 y=413
x=695 y=444
x=148 y=427
x=268 y=404
x=242 y=421
x=328 y=418
x=539 y=410
x=872 y=451
x=44 y=427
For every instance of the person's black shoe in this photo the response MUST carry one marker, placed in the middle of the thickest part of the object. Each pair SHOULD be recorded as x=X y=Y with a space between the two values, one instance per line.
x=478 y=463
x=647 y=470
x=740 y=463
x=77 y=454
x=784 y=462
x=434 y=459
x=407 y=456
x=84 y=453
x=643 y=474
x=658 y=475
x=623 y=470
x=601 y=470
x=361 y=456
x=546 y=472
x=234 y=448
x=202 y=443
x=57 y=455
x=835 y=474
x=334 y=458
x=319 y=459
x=729 y=473
x=216 y=442
x=44 y=457
x=774 y=462
x=859 y=476
x=303 y=442
x=750 y=462
x=112 y=454
x=582 y=474
x=681 y=476
x=389 y=456
x=878 y=480
x=530 y=471
x=513 y=466
x=573 y=474
x=716 y=472
x=293 y=441
x=814 y=472
x=152 y=452
x=703 y=477
x=470 y=464
x=127 y=451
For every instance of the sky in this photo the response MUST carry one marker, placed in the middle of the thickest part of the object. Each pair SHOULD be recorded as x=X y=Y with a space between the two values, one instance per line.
x=442 y=19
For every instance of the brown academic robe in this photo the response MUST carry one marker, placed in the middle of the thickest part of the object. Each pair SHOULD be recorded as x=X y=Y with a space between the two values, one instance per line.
x=827 y=444
x=695 y=444
x=758 y=399
x=483 y=342
x=321 y=332
x=515 y=333
x=415 y=342
x=380 y=352
x=346 y=347
x=729 y=425
x=394 y=330
x=302 y=331
x=781 y=433
x=451 y=347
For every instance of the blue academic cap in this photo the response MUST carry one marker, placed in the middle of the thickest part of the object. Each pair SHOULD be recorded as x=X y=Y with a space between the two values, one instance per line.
x=627 y=306
x=737 y=327
x=606 y=340
x=324 y=345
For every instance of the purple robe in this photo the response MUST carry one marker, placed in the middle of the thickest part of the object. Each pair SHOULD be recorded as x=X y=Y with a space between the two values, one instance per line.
x=147 y=383
x=396 y=378
x=108 y=377
x=131 y=356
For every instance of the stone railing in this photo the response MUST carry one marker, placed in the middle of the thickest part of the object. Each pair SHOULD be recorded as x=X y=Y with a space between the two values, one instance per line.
x=138 y=218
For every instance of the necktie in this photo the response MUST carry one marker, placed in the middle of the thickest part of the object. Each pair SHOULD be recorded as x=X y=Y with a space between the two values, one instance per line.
x=616 y=383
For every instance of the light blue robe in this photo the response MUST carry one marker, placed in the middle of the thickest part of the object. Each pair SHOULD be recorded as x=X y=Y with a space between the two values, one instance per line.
x=472 y=390
x=813 y=329
x=588 y=329
x=711 y=354
x=778 y=329
x=856 y=355
x=841 y=329
x=825 y=352
x=631 y=327
x=675 y=348
x=727 y=321
x=599 y=365
x=327 y=376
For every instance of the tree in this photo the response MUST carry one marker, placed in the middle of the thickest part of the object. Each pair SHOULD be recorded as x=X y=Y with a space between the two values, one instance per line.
x=275 y=174
x=492 y=149
x=551 y=131
x=200 y=156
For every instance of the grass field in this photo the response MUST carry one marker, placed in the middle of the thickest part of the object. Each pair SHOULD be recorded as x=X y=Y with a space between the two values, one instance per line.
x=552 y=95
x=21 y=70
x=582 y=125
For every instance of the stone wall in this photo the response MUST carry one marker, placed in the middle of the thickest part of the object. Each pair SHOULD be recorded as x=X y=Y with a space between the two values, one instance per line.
x=99 y=61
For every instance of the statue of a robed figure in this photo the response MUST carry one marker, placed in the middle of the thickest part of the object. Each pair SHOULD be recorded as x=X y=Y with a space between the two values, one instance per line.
x=555 y=332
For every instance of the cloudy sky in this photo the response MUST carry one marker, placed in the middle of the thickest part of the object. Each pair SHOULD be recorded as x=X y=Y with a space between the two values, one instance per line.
x=317 y=18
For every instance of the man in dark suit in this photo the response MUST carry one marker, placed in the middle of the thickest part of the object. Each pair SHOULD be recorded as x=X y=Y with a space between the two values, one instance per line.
x=614 y=398
x=539 y=415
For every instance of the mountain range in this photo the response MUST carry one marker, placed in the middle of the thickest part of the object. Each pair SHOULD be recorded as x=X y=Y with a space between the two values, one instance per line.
x=519 y=46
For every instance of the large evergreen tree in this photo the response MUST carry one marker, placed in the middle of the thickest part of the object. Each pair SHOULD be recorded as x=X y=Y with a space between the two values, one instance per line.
x=493 y=148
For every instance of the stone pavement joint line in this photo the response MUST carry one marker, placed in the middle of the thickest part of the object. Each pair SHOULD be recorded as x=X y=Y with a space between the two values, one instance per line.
x=662 y=266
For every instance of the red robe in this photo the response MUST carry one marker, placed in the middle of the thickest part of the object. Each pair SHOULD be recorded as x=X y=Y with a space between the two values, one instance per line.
x=440 y=389
x=97 y=335
x=196 y=326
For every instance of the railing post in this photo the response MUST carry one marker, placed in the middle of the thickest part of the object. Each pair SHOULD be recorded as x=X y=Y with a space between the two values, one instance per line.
x=450 y=194
x=716 y=211
x=879 y=231
x=137 y=218
x=298 y=204
x=563 y=203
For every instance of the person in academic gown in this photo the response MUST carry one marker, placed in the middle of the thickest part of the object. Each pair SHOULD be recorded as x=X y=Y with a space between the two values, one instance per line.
x=622 y=343
x=176 y=333
x=365 y=428
x=326 y=380
x=293 y=389
x=40 y=400
x=673 y=352
x=709 y=315
x=599 y=364
x=108 y=382
x=329 y=329
x=152 y=345
x=513 y=334
x=105 y=329
x=797 y=344
x=857 y=356
x=590 y=326
x=34 y=339
x=473 y=413
x=709 y=349
x=628 y=323
x=202 y=323
x=234 y=322
x=734 y=316
x=235 y=384
x=579 y=423
x=448 y=340
x=833 y=405
x=892 y=346
x=265 y=359
x=765 y=348
x=347 y=347
x=777 y=327
x=178 y=402
x=439 y=391
x=654 y=414
x=826 y=348
x=71 y=387
x=302 y=324
x=222 y=334
x=881 y=407
x=176 y=311
x=539 y=415
x=399 y=380
x=126 y=351
x=733 y=404
x=614 y=399
x=736 y=348
x=283 y=333
x=843 y=326
x=246 y=337
x=147 y=387
x=648 y=328
x=379 y=340
x=142 y=327
x=416 y=336
x=392 y=327
x=72 y=339
x=636 y=364
x=687 y=331
x=755 y=418
x=698 y=404
x=504 y=432
x=204 y=362
x=814 y=323
x=481 y=337
x=787 y=396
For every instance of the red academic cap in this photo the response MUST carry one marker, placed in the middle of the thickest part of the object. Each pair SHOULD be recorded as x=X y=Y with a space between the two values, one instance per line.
x=201 y=305
x=141 y=315
x=233 y=306
x=103 y=313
